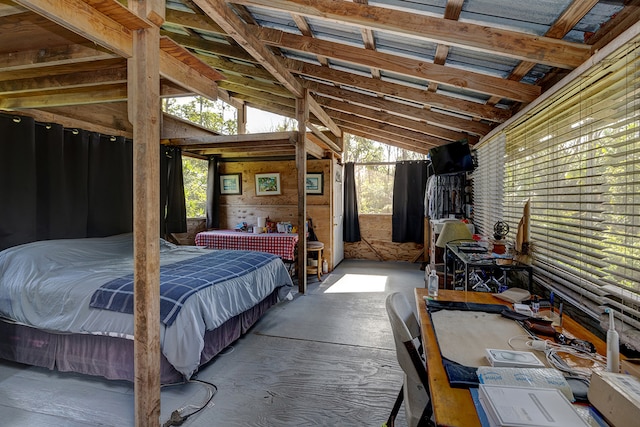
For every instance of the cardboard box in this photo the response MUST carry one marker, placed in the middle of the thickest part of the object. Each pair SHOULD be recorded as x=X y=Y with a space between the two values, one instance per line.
x=630 y=367
x=617 y=397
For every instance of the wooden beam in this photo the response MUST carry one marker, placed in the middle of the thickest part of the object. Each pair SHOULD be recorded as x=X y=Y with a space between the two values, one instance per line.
x=255 y=86
x=54 y=56
x=220 y=49
x=229 y=21
x=187 y=71
x=394 y=141
x=324 y=138
x=176 y=127
x=87 y=21
x=316 y=110
x=229 y=67
x=66 y=81
x=145 y=115
x=268 y=97
x=418 y=113
x=384 y=117
x=383 y=88
x=398 y=64
x=264 y=138
x=386 y=128
x=56 y=98
x=522 y=46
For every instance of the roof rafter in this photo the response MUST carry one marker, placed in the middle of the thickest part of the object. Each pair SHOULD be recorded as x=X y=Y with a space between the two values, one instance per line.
x=402 y=65
x=544 y=50
x=234 y=27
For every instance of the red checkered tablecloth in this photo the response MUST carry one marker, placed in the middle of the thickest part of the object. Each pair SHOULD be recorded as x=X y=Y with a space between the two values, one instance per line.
x=280 y=244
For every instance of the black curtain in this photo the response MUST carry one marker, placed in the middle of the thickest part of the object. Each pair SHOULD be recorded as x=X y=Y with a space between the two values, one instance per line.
x=68 y=183
x=18 y=197
x=62 y=181
x=351 y=230
x=213 y=193
x=173 y=210
x=409 y=185
x=110 y=186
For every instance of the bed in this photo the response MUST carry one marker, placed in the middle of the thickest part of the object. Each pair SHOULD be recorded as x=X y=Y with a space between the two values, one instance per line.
x=68 y=304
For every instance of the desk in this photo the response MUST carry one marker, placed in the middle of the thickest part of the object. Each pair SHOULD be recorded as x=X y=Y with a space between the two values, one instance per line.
x=476 y=261
x=280 y=244
x=454 y=406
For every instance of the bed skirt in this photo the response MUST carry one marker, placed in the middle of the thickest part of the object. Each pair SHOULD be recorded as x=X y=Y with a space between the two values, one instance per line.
x=111 y=357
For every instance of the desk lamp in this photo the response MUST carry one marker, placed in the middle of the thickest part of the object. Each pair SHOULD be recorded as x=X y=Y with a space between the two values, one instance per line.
x=453 y=230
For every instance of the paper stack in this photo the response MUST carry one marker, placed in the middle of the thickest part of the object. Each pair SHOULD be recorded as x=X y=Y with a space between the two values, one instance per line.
x=527 y=407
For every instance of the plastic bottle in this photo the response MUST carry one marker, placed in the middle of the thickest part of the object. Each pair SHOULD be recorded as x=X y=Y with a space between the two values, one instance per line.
x=325 y=266
x=432 y=284
x=613 y=346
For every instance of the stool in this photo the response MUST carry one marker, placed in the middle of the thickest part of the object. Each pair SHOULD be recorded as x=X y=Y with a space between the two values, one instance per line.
x=316 y=247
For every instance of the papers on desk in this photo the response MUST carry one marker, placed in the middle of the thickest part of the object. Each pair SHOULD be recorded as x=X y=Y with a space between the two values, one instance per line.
x=507 y=406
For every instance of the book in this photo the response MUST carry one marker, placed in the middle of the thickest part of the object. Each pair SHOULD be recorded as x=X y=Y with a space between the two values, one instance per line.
x=507 y=406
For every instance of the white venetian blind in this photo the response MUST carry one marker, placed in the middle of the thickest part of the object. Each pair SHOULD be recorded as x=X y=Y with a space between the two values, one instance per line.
x=577 y=157
x=488 y=187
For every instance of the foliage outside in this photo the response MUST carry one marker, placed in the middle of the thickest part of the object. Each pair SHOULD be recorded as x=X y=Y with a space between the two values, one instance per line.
x=374 y=172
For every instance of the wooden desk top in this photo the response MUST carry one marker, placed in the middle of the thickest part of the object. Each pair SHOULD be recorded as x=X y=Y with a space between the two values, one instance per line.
x=454 y=407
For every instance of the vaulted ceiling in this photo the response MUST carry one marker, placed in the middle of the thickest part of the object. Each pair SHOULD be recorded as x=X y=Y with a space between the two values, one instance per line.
x=414 y=74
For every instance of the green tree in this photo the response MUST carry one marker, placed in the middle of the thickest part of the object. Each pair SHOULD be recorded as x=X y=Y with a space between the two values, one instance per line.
x=194 y=172
x=204 y=112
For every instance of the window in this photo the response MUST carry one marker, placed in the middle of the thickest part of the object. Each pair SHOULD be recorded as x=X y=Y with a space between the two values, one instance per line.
x=374 y=187
x=488 y=185
x=576 y=156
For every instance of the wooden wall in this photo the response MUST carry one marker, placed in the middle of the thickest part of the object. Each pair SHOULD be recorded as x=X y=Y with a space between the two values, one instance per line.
x=247 y=207
x=376 y=242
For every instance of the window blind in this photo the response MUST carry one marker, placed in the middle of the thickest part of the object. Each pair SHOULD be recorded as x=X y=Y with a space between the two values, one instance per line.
x=577 y=158
x=488 y=185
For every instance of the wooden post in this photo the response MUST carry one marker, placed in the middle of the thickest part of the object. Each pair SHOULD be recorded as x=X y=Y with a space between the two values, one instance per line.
x=145 y=115
x=242 y=119
x=302 y=115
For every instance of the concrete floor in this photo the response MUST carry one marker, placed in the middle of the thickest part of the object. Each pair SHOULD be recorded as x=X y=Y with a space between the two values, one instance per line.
x=324 y=358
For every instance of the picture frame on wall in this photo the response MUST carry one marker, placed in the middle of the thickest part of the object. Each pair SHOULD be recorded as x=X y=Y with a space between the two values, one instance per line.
x=314 y=183
x=231 y=183
x=267 y=184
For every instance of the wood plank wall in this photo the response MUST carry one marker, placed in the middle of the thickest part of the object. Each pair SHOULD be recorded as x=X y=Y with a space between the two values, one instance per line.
x=247 y=207
x=376 y=242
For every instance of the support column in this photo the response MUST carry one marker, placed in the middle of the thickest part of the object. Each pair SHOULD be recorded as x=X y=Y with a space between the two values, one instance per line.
x=145 y=115
x=302 y=115
x=242 y=119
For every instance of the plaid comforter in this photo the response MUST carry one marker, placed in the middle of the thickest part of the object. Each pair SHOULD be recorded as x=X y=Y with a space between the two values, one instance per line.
x=180 y=280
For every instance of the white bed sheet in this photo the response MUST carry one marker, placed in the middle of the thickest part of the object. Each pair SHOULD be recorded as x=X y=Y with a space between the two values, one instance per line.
x=49 y=284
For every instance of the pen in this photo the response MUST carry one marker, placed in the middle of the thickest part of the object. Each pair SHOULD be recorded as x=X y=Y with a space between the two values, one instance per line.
x=551 y=303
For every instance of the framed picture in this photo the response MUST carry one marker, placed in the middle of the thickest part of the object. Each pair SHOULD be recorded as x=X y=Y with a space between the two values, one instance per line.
x=314 y=183
x=231 y=183
x=267 y=184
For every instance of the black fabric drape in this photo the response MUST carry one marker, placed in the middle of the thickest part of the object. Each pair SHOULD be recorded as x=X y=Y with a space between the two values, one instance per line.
x=351 y=230
x=62 y=180
x=408 y=202
x=173 y=217
x=110 y=186
x=213 y=194
x=18 y=198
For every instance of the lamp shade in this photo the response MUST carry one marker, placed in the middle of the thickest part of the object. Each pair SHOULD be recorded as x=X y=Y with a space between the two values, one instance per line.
x=453 y=230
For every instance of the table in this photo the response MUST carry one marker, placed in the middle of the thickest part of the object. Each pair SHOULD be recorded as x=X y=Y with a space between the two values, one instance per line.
x=454 y=406
x=477 y=260
x=280 y=244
